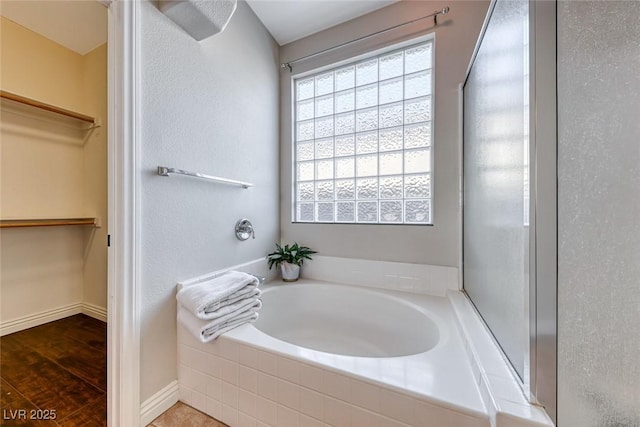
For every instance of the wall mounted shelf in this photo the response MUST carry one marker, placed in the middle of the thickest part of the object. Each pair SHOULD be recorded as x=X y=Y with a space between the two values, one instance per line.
x=48 y=107
x=47 y=222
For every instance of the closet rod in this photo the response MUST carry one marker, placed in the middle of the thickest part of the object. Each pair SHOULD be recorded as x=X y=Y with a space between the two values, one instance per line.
x=435 y=14
x=48 y=107
x=16 y=223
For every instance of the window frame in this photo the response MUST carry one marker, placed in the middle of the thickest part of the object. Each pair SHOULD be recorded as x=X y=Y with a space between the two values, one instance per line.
x=353 y=60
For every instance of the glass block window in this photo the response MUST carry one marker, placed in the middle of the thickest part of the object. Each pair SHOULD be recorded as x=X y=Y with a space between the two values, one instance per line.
x=362 y=140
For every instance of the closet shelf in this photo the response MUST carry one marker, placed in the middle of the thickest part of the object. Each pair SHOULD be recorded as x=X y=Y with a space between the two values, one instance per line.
x=47 y=107
x=47 y=222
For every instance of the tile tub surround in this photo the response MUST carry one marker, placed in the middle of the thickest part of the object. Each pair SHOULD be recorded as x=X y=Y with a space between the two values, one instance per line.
x=247 y=378
x=502 y=394
x=397 y=276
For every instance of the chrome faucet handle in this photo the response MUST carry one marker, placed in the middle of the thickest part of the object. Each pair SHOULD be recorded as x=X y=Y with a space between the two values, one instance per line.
x=244 y=229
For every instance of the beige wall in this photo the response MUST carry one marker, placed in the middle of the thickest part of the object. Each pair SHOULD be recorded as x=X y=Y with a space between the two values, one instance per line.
x=50 y=170
x=41 y=160
x=41 y=270
x=95 y=177
x=455 y=40
x=36 y=67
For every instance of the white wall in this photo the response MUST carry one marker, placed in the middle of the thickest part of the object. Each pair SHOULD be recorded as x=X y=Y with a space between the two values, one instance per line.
x=455 y=39
x=209 y=107
x=598 y=208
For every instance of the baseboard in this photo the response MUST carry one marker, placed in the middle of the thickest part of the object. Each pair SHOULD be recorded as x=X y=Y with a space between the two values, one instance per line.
x=38 y=319
x=154 y=406
x=33 y=320
x=94 y=311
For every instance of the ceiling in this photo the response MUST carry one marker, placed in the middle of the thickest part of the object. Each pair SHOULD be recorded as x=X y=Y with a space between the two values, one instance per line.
x=77 y=25
x=82 y=25
x=290 y=20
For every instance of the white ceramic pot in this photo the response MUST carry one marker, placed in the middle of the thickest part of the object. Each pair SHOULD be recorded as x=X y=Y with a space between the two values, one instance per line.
x=290 y=272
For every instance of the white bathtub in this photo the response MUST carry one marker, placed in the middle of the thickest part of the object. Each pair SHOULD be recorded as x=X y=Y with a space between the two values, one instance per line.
x=323 y=354
x=346 y=320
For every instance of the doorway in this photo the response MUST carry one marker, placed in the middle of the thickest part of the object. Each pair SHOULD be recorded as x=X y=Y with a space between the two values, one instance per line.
x=54 y=211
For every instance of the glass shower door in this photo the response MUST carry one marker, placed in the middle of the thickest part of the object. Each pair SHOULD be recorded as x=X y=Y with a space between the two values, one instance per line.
x=496 y=179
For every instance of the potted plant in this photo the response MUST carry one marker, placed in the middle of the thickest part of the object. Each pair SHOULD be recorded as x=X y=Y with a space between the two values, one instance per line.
x=290 y=259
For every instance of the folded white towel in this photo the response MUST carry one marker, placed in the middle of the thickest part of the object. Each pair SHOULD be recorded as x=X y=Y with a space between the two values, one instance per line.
x=207 y=330
x=204 y=298
x=233 y=305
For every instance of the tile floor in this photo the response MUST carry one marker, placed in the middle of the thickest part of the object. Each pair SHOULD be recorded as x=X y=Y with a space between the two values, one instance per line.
x=56 y=367
x=181 y=415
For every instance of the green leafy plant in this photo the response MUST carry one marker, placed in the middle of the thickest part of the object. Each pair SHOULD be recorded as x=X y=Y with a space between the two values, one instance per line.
x=294 y=254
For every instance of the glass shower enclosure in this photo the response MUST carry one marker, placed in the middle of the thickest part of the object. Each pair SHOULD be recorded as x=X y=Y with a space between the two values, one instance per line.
x=509 y=207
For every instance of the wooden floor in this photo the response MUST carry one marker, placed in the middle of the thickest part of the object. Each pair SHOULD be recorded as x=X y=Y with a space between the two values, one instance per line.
x=57 y=370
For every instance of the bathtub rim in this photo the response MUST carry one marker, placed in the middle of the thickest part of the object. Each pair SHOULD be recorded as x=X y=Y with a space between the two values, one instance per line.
x=471 y=405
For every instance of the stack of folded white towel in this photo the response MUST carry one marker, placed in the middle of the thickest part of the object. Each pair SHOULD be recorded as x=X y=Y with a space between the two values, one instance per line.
x=212 y=307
